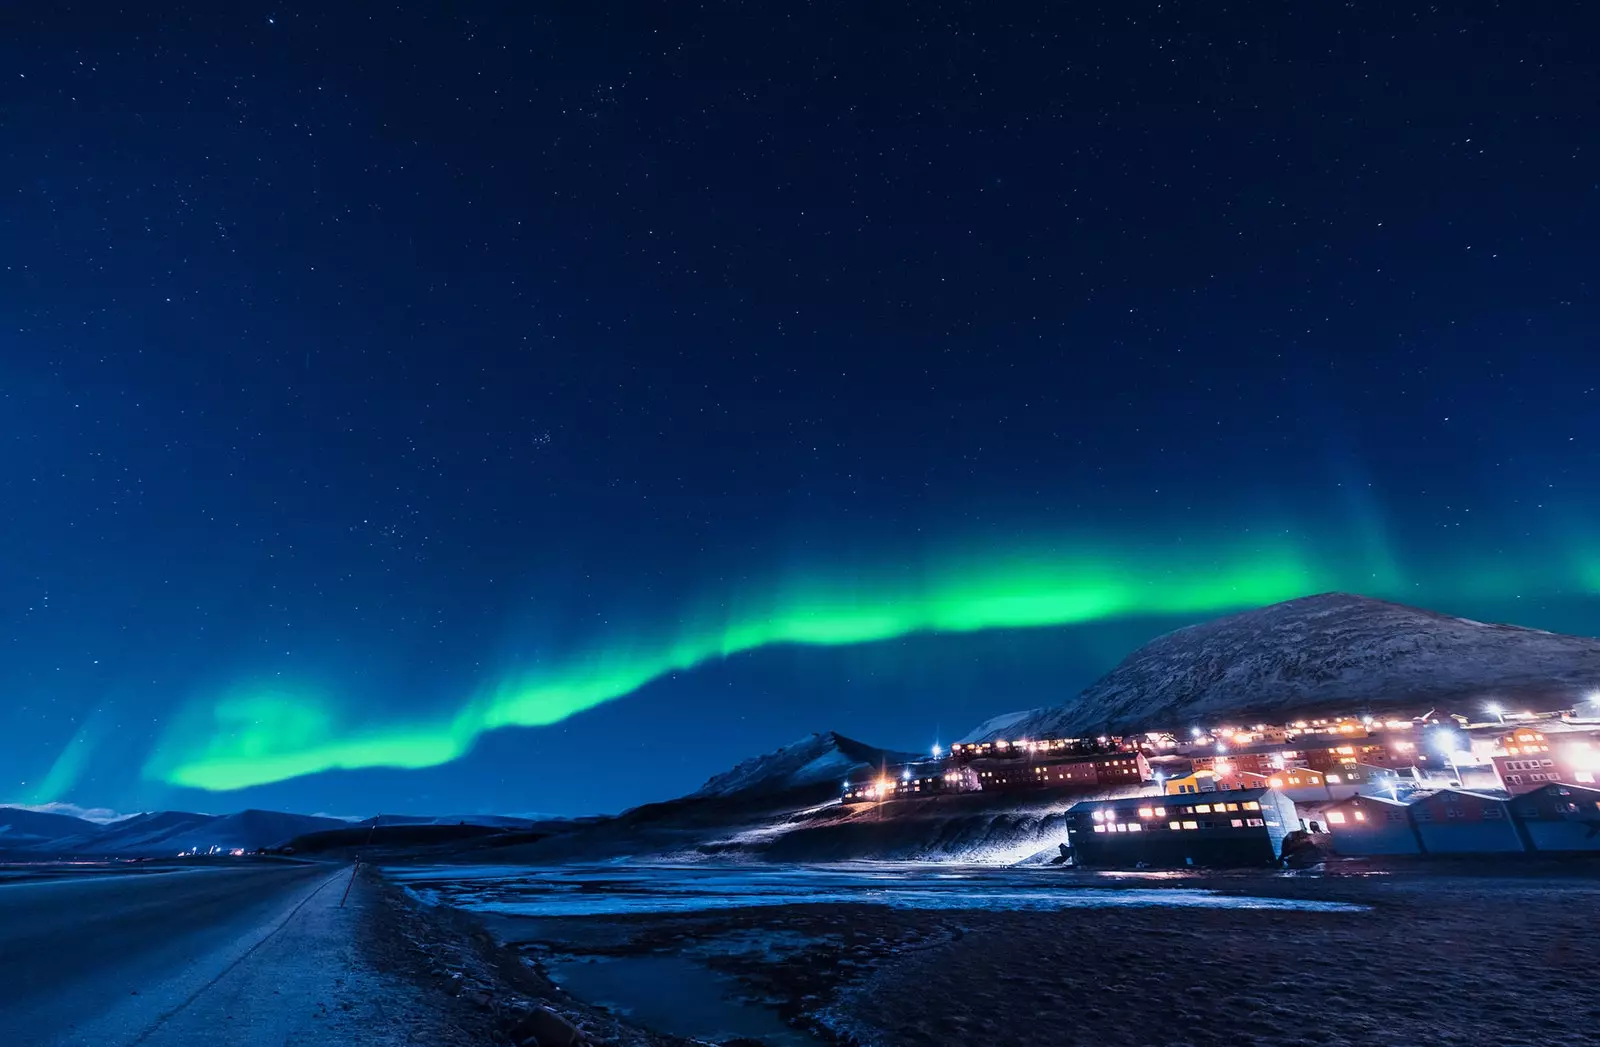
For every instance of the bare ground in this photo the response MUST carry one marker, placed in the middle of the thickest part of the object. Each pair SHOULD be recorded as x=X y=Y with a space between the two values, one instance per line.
x=1437 y=959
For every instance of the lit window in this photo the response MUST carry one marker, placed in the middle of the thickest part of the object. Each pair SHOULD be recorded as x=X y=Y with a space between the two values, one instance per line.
x=1276 y=783
x=1099 y=828
x=1204 y=808
x=1256 y=821
x=1161 y=812
x=1134 y=827
x=1237 y=823
x=1251 y=805
x=1147 y=812
x=1333 y=779
x=1191 y=825
x=1175 y=825
x=1361 y=816
x=1583 y=776
x=1336 y=817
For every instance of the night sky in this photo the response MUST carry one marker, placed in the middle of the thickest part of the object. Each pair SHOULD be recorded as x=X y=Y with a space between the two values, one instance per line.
x=461 y=407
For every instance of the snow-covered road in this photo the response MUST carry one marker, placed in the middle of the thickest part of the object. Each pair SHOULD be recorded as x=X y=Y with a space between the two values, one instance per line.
x=250 y=957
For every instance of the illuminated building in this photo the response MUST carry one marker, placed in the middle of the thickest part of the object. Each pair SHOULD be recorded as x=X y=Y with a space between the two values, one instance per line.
x=1456 y=821
x=1233 y=829
x=1556 y=817
x=1363 y=825
x=1528 y=758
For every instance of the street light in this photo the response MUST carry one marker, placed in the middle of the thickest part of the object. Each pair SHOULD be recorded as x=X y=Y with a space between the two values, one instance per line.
x=1498 y=710
x=937 y=750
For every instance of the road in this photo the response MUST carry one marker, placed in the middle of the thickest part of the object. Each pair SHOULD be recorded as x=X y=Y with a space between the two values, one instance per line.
x=256 y=955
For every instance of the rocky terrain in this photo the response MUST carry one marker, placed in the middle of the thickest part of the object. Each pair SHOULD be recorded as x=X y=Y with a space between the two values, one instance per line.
x=1328 y=653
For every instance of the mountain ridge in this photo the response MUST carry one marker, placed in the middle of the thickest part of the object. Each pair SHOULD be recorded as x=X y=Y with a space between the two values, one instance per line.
x=1332 y=652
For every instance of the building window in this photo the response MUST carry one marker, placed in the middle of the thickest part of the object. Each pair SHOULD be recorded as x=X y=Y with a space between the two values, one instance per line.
x=1175 y=825
x=1256 y=821
x=1099 y=828
x=1361 y=816
x=1252 y=805
x=1453 y=812
x=1191 y=825
x=1513 y=779
x=1336 y=817
x=1492 y=812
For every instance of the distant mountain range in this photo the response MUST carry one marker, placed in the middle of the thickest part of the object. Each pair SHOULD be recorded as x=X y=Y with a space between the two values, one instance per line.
x=1318 y=654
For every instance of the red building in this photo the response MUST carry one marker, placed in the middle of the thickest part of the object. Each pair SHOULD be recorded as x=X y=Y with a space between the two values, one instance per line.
x=1530 y=759
x=1115 y=768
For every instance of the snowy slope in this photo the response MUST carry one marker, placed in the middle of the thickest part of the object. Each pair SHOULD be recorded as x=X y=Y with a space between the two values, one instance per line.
x=816 y=760
x=161 y=833
x=1328 y=653
x=23 y=828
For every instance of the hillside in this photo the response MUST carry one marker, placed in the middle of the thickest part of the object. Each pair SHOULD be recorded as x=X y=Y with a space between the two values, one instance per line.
x=22 y=828
x=821 y=760
x=165 y=833
x=1328 y=653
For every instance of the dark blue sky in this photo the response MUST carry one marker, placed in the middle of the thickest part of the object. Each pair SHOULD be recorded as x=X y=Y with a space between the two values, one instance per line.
x=359 y=370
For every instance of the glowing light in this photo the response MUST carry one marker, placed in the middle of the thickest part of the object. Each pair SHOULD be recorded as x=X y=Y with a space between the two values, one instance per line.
x=220 y=749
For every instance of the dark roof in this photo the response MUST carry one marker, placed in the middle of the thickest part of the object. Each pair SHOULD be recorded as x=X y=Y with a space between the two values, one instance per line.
x=1171 y=800
x=1421 y=797
x=1351 y=800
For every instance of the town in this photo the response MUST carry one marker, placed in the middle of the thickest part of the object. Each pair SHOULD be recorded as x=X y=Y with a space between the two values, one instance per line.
x=1432 y=783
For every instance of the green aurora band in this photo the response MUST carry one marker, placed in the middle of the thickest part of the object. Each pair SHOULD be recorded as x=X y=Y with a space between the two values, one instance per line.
x=255 y=736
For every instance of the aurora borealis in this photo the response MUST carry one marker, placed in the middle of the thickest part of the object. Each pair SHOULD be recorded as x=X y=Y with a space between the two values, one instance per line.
x=540 y=412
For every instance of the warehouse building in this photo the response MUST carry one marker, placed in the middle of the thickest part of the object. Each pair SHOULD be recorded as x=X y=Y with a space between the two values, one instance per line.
x=1456 y=821
x=1363 y=825
x=1560 y=817
x=1239 y=828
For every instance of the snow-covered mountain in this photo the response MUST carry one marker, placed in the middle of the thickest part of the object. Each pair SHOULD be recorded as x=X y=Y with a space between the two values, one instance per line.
x=1328 y=653
x=22 y=828
x=817 y=760
x=163 y=833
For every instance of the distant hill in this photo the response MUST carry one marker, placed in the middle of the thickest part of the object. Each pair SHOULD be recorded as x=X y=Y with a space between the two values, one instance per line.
x=821 y=759
x=165 y=833
x=1328 y=653
x=21 y=828
x=496 y=821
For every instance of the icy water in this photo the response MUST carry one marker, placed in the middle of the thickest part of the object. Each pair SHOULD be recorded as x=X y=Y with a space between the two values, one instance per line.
x=674 y=995
x=611 y=890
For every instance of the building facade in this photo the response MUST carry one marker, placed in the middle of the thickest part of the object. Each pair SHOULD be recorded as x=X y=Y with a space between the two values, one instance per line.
x=1456 y=821
x=1233 y=829
x=1363 y=825
x=1559 y=818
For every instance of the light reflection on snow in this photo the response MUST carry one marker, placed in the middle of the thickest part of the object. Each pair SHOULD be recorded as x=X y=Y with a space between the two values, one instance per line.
x=610 y=891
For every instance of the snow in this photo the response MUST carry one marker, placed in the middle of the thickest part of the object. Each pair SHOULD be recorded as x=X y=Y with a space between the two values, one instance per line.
x=165 y=833
x=815 y=760
x=607 y=891
x=1328 y=653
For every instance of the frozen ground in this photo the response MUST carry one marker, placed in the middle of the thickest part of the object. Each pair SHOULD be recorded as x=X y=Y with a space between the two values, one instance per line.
x=931 y=956
x=631 y=890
